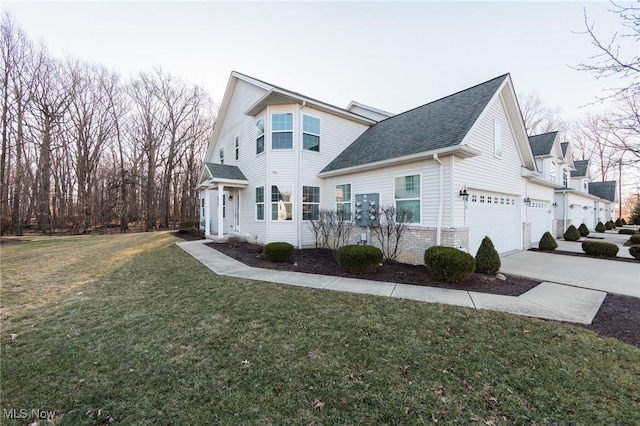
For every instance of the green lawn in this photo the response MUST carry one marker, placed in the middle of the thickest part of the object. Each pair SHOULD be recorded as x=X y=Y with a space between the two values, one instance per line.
x=128 y=329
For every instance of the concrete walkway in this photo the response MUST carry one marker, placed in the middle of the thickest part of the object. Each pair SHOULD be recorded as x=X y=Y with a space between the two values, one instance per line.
x=548 y=300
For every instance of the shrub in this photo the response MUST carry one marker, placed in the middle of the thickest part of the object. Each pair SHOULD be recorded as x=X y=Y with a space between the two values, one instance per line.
x=608 y=226
x=618 y=222
x=449 y=264
x=599 y=248
x=572 y=234
x=624 y=222
x=584 y=231
x=626 y=231
x=357 y=259
x=600 y=227
x=547 y=242
x=188 y=224
x=635 y=238
x=487 y=257
x=635 y=251
x=613 y=224
x=278 y=251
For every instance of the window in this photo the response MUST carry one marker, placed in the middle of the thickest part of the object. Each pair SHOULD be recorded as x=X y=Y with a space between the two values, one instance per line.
x=474 y=198
x=260 y=136
x=482 y=198
x=281 y=202
x=310 y=133
x=260 y=203
x=237 y=148
x=310 y=202
x=343 y=201
x=497 y=138
x=221 y=154
x=407 y=196
x=202 y=208
x=552 y=171
x=282 y=131
x=565 y=178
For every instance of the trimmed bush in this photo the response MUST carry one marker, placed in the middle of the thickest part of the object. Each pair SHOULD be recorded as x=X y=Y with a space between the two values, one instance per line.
x=600 y=227
x=278 y=251
x=487 y=257
x=449 y=264
x=635 y=251
x=357 y=259
x=613 y=224
x=635 y=238
x=608 y=226
x=624 y=222
x=547 y=242
x=600 y=248
x=572 y=234
x=626 y=231
x=619 y=222
x=584 y=231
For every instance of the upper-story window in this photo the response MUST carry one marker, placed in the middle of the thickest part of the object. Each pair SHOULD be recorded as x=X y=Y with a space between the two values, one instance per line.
x=260 y=136
x=497 y=138
x=282 y=131
x=565 y=177
x=221 y=155
x=310 y=133
x=407 y=196
x=343 y=201
x=237 y=148
x=552 y=171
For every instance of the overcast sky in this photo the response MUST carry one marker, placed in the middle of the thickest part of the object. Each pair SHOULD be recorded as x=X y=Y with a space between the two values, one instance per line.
x=390 y=55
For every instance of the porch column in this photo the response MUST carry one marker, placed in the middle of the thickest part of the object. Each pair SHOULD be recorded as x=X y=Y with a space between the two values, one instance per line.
x=220 y=207
x=207 y=213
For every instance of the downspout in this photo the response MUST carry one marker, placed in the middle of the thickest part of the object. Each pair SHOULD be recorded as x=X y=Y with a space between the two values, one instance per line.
x=441 y=199
x=300 y=141
x=565 y=212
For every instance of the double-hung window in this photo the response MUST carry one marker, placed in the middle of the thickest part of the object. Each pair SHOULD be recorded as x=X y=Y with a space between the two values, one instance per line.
x=260 y=203
x=282 y=131
x=281 y=202
x=260 y=136
x=237 y=148
x=221 y=154
x=343 y=201
x=310 y=133
x=552 y=171
x=565 y=177
x=310 y=202
x=407 y=197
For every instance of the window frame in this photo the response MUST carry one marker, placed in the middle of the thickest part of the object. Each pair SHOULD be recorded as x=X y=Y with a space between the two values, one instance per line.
x=260 y=135
x=275 y=205
x=310 y=203
x=260 y=203
x=221 y=155
x=237 y=149
x=310 y=133
x=345 y=202
x=274 y=131
x=419 y=199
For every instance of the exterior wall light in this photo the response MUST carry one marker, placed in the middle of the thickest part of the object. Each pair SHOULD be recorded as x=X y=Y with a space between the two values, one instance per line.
x=527 y=201
x=571 y=206
x=464 y=194
x=554 y=205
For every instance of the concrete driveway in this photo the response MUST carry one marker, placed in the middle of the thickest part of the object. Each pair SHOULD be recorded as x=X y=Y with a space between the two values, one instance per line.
x=592 y=273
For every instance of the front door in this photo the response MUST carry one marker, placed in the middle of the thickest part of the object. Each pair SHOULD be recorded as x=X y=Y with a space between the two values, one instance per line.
x=236 y=212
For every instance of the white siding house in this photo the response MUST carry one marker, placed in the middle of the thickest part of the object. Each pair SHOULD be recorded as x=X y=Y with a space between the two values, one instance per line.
x=277 y=157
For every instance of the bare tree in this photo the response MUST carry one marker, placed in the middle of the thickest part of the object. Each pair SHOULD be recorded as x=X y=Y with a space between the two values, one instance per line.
x=538 y=117
x=393 y=226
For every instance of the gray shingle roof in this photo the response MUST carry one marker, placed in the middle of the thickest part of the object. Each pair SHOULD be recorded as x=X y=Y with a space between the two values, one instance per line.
x=581 y=168
x=224 y=171
x=438 y=124
x=542 y=144
x=605 y=190
x=564 y=146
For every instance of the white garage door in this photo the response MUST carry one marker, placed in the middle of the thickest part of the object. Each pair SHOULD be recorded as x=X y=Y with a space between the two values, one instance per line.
x=576 y=215
x=494 y=215
x=539 y=214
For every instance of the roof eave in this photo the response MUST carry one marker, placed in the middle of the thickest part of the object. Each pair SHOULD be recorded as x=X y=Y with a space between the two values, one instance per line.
x=461 y=151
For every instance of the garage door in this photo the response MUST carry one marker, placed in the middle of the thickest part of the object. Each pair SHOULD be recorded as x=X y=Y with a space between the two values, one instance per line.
x=494 y=215
x=577 y=215
x=539 y=214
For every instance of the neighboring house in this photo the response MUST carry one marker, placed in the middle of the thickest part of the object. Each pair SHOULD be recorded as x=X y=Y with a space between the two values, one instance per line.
x=277 y=157
x=606 y=192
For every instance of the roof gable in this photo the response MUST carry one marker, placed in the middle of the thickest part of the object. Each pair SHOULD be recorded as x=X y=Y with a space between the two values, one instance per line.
x=605 y=190
x=582 y=168
x=542 y=145
x=440 y=124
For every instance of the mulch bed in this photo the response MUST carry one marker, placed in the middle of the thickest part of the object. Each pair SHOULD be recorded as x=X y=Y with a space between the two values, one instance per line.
x=322 y=262
x=618 y=317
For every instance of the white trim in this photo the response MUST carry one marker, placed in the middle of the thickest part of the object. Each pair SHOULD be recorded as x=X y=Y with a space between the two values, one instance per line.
x=292 y=131
x=302 y=132
x=335 y=203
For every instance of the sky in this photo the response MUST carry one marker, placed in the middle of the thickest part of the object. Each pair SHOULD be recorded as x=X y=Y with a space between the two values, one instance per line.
x=390 y=55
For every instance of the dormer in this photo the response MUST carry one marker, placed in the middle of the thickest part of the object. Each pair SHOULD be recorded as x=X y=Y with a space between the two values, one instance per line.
x=368 y=111
x=550 y=159
x=581 y=177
